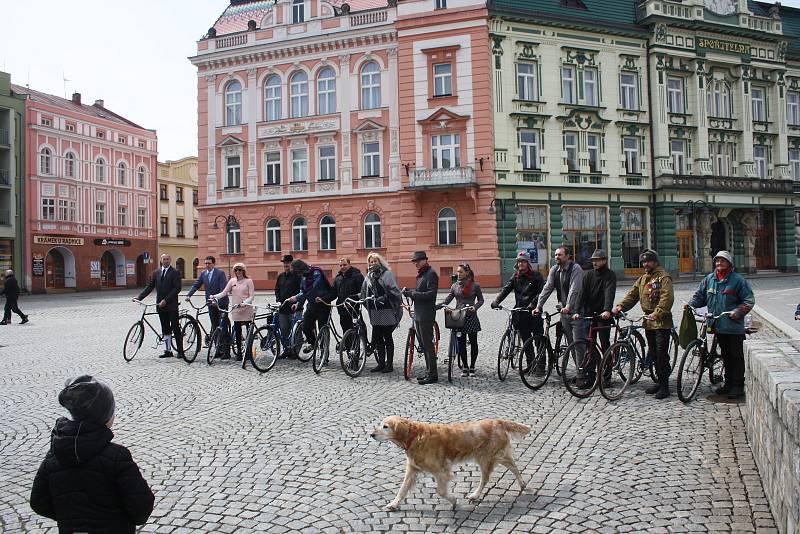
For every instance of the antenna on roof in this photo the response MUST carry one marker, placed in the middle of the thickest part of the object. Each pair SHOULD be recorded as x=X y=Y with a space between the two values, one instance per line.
x=64 y=78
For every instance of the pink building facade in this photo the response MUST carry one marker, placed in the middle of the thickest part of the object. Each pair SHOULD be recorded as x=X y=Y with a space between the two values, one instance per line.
x=90 y=196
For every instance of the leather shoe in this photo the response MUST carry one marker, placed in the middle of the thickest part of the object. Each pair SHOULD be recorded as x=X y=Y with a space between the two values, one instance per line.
x=724 y=389
x=167 y=354
x=181 y=356
x=652 y=390
x=377 y=369
x=3 y=323
x=428 y=380
x=663 y=393
x=736 y=393
x=387 y=370
x=24 y=320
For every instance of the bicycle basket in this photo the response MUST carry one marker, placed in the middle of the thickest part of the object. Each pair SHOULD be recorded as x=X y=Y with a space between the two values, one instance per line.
x=455 y=319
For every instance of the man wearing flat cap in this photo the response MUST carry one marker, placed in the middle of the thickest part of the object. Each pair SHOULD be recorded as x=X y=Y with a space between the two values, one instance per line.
x=424 y=297
x=597 y=298
x=287 y=286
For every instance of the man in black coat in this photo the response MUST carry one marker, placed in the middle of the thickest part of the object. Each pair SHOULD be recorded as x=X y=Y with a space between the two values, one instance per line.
x=11 y=291
x=287 y=286
x=597 y=297
x=348 y=285
x=167 y=283
x=424 y=297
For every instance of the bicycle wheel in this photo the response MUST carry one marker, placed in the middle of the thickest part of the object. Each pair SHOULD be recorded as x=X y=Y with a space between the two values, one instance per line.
x=133 y=341
x=579 y=369
x=504 y=354
x=452 y=354
x=353 y=353
x=535 y=374
x=716 y=365
x=192 y=338
x=408 y=356
x=264 y=349
x=690 y=370
x=214 y=345
x=639 y=344
x=322 y=349
x=617 y=370
x=558 y=347
x=672 y=350
x=297 y=342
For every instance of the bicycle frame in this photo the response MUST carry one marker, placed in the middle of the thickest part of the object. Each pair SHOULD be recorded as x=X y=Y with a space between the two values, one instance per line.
x=144 y=320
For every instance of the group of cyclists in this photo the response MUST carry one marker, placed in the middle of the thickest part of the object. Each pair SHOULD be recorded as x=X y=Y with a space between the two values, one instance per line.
x=304 y=292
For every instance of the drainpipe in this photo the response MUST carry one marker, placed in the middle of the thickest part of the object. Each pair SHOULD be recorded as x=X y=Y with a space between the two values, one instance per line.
x=21 y=196
x=652 y=151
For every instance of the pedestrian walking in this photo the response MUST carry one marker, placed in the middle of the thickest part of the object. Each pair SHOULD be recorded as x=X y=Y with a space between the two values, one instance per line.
x=213 y=280
x=467 y=292
x=384 y=311
x=597 y=298
x=653 y=291
x=167 y=282
x=348 y=283
x=287 y=285
x=725 y=290
x=11 y=291
x=87 y=483
x=241 y=290
x=424 y=298
x=316 y=290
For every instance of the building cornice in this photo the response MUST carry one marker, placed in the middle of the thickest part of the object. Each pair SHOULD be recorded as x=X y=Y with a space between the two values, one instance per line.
x=532 y=16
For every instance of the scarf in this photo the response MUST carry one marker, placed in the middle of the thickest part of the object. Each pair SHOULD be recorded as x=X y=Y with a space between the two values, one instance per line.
x=423 y=270
x=722 y=275
x=467 y=288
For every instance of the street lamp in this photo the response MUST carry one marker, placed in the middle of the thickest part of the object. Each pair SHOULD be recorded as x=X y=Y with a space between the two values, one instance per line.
x=692 y=205
x=230 y=220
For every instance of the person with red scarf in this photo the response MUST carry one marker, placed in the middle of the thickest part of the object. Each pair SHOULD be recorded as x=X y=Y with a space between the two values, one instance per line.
x=467 y=292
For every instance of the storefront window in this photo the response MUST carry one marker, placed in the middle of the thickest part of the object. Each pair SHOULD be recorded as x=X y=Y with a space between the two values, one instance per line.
x=532 y=234
x=6 y=255
x=633 y=236
x=585 y=229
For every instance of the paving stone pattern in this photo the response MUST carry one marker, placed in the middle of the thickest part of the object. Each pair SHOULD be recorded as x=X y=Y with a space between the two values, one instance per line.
x=228 y=450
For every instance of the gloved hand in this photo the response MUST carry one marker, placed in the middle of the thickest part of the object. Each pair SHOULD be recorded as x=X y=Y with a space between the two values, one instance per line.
x=381 y=302
x=494 y=305
x=736 y=316
x=439 y=306
x=408 y=293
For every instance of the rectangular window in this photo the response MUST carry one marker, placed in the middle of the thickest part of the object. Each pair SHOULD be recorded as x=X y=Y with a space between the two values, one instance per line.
x=46 y=122
x=757 y=96
x=593 y=148
x=633 y=236
x=298 y=11
x=122 y=215
x=141 y=217
x=440 y=4
x=794 y=163
x=568 y=95
x=234 y=172
x=630 y=146
x=234 y=241
x=272 y=168
x=722 y=154
x=629 y=90
x=443 y=79
x=164 y=226
x=194 y=228
x=69 y=127
x=73 y=211
x=327 y=163
x=678 y=149
x=162 y=192
x=179 y=228
x=529 y=142
x=195 y=197
x=590 y=87
x=63 y=210
x=793 y=107
x=446 y=151
x=100 y=213
x=527 y=87
x=272 y=100
x=585 y=230
x=571 y=149
x=532 y=234
x=760 y=159
x=300 y=165
x=179 y=195
x=372 y=160
x=274 y=238
x=675 y=103
x=48 y=209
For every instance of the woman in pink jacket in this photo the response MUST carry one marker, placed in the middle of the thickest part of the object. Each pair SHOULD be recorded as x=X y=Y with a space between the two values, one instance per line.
x=241 y=290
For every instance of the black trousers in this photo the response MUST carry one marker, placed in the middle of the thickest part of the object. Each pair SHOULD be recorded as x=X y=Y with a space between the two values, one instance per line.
x=528 y=325
x=213 y=317
x=473 y=349
x=11 y=306
x=170 y=327
x=658 y=345
x=732 y=349
x=314 y=318
x=345 y=320
x=238 y=338
x=384 y=344
x=425 y=332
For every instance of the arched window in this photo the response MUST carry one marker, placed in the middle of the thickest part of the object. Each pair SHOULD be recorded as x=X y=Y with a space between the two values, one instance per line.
x=273 y=235
x=122 y=171
x=719 y=99
x=45 y=161
x=372 y=231
x=298 y=89
x=180 y=266
x=447 y=226
x=233 y=103
x=69 y=165
x=195 y=266
x=370 y=85
x=272 y=98
x=141 y=178
x=100 y=170
x=326 y=91
x=299 y=235
x=327 y=233
x=234 y=236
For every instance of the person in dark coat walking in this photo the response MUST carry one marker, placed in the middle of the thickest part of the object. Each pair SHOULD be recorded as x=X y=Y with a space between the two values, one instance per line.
x=287 y=286
x=214 y=281
x=347 y=285
x=424 y=297
x=597 y=297
x=167 y=283
x=86 y=483
x=11 y=291
x=467 y=292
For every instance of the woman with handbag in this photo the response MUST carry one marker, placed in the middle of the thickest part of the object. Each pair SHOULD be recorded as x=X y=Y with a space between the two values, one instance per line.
x=466 y=292
x=384 y=311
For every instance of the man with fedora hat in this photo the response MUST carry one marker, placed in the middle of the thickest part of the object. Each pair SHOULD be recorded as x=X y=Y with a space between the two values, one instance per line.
x=287 y=286
x=597 y=297
x=424 y=297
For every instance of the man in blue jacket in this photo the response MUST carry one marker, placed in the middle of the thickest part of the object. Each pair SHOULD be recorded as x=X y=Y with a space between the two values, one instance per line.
x=214 y=281
x=725 y=290
x=316 y=290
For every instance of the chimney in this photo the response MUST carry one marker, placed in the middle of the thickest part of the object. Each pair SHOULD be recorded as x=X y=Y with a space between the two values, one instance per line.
x=76 y=98
x=100 y=103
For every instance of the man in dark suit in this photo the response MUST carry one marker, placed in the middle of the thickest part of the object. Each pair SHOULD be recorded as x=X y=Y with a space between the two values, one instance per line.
x=11 y=291
x=424 y=297
x=214 y=281
x=167 y=283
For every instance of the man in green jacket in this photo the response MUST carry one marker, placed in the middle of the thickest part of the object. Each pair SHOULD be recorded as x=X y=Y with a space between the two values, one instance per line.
x=725 y=290
x=653 y=291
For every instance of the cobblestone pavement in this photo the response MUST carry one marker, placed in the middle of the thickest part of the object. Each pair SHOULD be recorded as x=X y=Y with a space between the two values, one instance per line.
x=229 y=450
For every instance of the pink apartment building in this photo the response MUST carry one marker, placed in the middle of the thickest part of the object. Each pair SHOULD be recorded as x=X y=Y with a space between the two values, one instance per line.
x=90 y=195
x=301 y=150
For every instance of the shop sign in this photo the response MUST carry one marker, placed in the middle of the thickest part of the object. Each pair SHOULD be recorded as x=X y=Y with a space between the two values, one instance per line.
x=57 y=240
x=723 y=45
x=38 y=265
x=112 y=242
x=131 y=268
x=94 y=268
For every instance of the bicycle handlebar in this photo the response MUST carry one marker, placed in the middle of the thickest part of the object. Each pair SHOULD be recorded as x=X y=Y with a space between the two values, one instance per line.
x=708 y=315
x=511 y=310
x=468 y=307
x=189 y=300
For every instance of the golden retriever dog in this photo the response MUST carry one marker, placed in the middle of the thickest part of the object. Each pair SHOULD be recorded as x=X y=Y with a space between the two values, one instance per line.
x=434 y=448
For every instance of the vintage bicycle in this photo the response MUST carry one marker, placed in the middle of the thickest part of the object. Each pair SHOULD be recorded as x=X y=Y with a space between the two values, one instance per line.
x=700 y=355
x=414 y=346
x=135 y=336
x=456 y=337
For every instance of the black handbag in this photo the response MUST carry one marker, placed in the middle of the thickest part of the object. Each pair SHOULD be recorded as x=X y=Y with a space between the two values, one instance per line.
x=455 y=319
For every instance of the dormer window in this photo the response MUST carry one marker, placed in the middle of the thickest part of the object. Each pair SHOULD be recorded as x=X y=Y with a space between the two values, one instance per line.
x=298 y=11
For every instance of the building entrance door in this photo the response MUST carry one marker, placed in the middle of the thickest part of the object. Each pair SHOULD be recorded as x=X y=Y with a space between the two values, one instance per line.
x=54 y=270
x=685 y=250
x=765 y=240
x=108 y=270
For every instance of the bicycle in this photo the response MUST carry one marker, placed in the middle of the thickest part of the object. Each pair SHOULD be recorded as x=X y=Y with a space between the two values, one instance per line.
x=135 y=336
x=322 y=348
x=455 y=334
x=271 y=339
x=414 y=341
x=510 y=344
x=261 y=345
x=620 y=363
x=222 y=341
x=581 y=360
x=355 y=349
x=193 y=331
x=698 y=357
x=544 y=357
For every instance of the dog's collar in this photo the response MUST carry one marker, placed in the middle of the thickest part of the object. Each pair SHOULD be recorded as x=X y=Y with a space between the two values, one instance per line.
x=410 y=439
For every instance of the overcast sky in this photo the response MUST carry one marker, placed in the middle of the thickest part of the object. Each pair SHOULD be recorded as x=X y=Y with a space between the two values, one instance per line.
x=130 y=54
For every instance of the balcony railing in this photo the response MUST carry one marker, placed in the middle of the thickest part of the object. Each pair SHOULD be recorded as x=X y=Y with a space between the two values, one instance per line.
x=724 y=183
x=441 y=178
x=232 y=40
x=4 y=139
x=370 y=17
x=4 y=177
x=5 y=217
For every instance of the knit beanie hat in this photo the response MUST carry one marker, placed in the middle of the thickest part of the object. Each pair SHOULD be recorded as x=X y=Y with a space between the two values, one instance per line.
x=87 y=399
